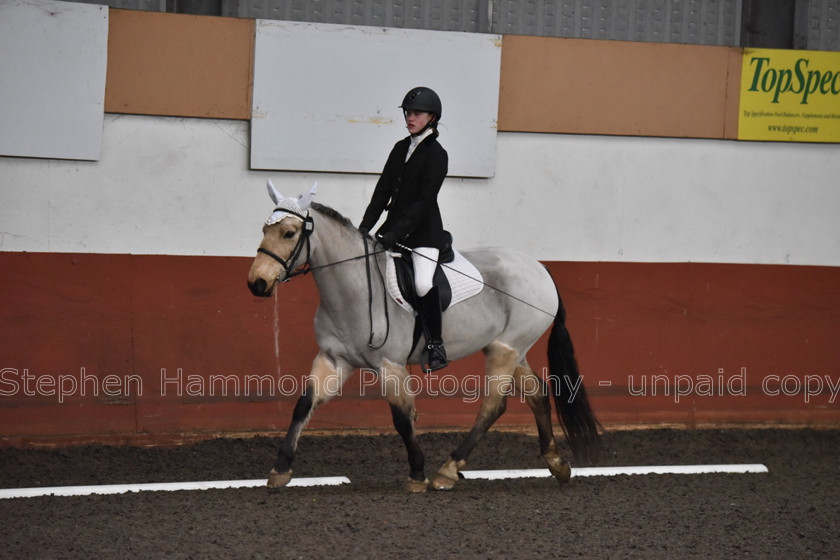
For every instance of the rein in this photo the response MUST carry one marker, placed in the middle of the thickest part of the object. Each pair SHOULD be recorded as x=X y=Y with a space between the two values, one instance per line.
x=370 y=297
x=478 y=280
x=305 y=268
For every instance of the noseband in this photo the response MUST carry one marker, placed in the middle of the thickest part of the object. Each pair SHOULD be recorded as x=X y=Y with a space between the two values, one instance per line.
x=288 y=265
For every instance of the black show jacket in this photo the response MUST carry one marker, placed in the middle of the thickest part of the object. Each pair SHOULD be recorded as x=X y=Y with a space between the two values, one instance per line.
x=408 y=190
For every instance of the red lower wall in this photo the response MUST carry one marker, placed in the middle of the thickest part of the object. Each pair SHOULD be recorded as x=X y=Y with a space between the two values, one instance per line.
x=125 y=348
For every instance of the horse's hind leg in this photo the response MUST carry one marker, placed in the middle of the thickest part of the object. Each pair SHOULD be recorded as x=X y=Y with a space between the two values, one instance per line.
x=393 y=379
x=321 y=378
x=501 y=363
x=535 y=392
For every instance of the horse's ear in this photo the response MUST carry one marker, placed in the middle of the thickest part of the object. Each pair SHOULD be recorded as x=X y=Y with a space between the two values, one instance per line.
x=274 y=193
x=305 y=200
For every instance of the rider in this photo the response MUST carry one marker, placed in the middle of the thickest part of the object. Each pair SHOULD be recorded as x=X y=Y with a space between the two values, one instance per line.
x=408 y=189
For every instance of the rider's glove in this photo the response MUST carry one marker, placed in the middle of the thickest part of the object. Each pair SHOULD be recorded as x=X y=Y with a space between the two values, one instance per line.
x=389 y=240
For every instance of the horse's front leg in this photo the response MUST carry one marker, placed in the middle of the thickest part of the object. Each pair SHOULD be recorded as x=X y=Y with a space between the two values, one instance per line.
x=324 y=380
x=393 y=378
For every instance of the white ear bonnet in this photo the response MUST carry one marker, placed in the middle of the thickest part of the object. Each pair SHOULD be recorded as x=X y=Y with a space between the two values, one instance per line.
x=291 y=206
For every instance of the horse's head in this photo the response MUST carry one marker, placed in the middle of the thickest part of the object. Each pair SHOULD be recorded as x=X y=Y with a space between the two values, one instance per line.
x=285 y=243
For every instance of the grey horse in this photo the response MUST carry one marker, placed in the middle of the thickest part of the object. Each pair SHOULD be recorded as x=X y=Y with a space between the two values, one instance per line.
x=518 y=303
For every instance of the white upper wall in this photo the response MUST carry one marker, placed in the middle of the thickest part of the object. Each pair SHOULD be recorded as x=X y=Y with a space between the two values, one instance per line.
x=53 y=58
x=183 y=187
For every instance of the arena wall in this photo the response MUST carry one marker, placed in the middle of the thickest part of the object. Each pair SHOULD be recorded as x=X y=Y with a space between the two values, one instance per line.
x=700 y=273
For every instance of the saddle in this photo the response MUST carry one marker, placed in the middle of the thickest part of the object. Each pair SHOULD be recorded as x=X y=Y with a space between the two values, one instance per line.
x=455 y=277
x=404 y=271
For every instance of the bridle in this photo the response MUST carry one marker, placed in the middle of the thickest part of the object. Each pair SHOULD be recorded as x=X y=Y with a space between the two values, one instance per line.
x=288 y=265
x=305 y=268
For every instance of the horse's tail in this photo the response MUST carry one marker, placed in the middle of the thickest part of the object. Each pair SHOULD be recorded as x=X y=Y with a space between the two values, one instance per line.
x=573 y=410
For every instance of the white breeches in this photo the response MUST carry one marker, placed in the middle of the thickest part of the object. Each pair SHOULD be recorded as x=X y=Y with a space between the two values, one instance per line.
x=424 y=260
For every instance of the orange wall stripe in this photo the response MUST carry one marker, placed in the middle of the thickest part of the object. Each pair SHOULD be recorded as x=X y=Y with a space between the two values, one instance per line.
x=179 y=65
x=733 y=93
x=199 y=66
x=615 y=87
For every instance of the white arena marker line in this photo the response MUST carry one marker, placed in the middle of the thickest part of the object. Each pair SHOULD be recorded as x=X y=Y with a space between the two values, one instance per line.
x=322 y=481
x=613 y=471
x=507 y=473
x=670 y=469
x=161 y=487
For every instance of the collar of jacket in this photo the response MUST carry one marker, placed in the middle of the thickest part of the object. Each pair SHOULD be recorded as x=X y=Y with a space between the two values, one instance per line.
x=415 y=141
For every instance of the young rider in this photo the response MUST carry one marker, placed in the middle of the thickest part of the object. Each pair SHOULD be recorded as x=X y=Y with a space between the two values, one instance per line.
x=407 y=189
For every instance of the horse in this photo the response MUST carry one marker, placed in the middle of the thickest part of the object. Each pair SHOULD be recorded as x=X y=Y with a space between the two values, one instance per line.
x=518 y=303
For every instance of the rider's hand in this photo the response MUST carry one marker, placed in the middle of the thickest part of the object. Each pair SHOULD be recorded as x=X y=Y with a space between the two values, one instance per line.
x=389 y=240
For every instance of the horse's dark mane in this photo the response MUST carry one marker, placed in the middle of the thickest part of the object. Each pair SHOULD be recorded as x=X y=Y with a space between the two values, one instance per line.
x=332 y=214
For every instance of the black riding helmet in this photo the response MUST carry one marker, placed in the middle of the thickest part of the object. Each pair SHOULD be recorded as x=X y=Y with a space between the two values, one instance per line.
x=422 y=99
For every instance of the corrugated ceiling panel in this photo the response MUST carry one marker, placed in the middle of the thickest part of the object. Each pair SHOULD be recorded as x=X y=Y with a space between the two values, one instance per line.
x=444 y=15
x=145 y=5
x=699 y=22
x=824 y=25
x=703 y=22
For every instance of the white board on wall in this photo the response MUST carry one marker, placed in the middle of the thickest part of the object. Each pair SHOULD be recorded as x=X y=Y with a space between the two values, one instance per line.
x=53 y=58
x=326 y=97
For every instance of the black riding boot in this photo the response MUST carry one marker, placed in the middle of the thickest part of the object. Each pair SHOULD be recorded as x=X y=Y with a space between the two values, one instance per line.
x=430 y=315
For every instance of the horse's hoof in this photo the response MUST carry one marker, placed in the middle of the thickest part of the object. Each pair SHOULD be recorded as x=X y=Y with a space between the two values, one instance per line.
x=447 y=476
x=416 y=486
x=278 y=480
x=442 y=482
x=559 y=468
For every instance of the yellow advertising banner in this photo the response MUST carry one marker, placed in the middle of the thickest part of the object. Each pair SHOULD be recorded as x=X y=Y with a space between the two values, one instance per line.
x=790 y=96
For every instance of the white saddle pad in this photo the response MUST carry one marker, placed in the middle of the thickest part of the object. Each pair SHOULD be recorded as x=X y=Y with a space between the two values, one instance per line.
x=464 y=279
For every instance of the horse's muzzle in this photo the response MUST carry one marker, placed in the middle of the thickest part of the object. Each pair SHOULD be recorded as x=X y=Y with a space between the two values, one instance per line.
x=259 y=288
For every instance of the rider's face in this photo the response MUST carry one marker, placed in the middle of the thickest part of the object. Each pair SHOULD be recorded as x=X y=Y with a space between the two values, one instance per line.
x=415 y=121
